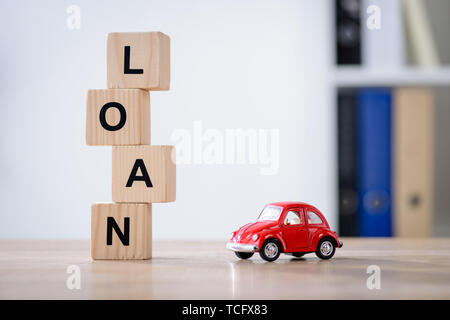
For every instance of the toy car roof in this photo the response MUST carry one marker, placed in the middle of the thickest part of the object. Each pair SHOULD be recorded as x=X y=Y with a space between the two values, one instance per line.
x=290 y=203
x=285 y=204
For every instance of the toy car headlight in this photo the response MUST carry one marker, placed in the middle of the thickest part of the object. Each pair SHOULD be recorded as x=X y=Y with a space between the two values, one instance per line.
x=255 y=237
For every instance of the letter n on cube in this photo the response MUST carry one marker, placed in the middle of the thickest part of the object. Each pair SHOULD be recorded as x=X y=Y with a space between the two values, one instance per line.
x=121 y=231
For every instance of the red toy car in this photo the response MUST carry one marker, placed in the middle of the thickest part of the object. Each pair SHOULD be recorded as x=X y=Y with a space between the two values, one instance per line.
x=285 y=227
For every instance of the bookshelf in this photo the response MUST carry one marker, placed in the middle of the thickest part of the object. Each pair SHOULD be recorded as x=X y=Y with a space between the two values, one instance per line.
x=410 y=50
x=359 y=76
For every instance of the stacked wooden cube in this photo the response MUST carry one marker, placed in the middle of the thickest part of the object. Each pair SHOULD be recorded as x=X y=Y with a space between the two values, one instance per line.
x=119 y=116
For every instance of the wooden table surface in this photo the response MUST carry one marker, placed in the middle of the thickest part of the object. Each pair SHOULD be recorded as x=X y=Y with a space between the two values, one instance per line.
x=410 y=269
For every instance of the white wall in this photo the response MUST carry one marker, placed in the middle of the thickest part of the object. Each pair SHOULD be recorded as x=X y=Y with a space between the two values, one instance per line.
x=235 y=64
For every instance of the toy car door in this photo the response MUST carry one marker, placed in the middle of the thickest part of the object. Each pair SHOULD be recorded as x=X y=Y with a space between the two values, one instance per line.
x=295 y=232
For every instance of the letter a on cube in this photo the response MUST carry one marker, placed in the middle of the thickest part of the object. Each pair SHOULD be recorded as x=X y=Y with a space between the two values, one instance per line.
x=143 y=174
x=117 y=117
x=138 y=60
x=121 y=231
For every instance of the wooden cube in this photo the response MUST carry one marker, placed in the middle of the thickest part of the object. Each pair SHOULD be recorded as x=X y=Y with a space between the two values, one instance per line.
x=138 y=60
x=121 y=231
x=143 y=174
x=118 y=117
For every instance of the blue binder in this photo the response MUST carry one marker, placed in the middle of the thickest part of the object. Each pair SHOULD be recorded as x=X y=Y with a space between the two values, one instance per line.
x=374 y=162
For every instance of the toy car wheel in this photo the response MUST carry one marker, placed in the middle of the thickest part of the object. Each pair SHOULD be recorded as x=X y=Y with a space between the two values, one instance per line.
x=325 y=249
x=270 y=250
x=244 y=255
x=298 y=254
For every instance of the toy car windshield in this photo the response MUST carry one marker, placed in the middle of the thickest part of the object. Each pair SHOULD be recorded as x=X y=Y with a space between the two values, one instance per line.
x=270 y=213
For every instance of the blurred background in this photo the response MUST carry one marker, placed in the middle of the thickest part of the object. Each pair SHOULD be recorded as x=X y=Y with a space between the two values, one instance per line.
x=336 y=78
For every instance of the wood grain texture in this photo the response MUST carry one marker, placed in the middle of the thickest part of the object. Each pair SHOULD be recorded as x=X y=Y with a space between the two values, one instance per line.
x=149 y=51
x=413 y=162
x=160 y=166
x=410 y=269
x=140 y=231
x=136 y=129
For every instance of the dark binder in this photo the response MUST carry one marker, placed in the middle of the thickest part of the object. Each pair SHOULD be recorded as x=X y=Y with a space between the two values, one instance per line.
x=348 y=35
x=347 y=166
